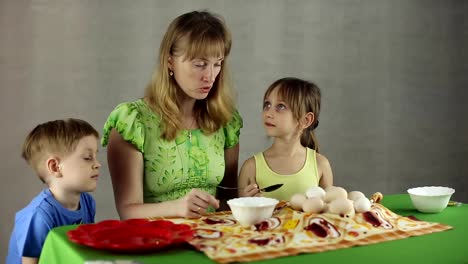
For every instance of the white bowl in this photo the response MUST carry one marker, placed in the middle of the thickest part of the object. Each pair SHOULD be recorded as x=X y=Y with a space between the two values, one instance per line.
x=430 y=199
x=251 y=210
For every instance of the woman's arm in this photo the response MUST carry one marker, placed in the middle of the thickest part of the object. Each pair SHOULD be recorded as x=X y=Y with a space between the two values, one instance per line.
x=126 y=170
x=325 y=171
x=231 y=159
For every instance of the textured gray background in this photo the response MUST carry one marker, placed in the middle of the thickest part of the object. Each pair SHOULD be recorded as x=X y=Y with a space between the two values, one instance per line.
x=393 y=76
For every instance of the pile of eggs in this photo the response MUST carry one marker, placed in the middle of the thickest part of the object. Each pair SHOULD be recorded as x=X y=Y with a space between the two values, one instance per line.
x=334 y=199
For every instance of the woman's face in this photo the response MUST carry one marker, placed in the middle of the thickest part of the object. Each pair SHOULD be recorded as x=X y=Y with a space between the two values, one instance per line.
x=196 y=77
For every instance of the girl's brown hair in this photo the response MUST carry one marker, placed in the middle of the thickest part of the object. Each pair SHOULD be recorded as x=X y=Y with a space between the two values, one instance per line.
x=302 y=97
x=198 y=34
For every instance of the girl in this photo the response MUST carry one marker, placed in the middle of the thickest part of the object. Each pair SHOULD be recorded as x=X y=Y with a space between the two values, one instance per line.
x=291 y=109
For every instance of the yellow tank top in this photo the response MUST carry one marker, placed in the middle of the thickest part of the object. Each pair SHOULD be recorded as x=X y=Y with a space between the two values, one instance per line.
x=294 y=183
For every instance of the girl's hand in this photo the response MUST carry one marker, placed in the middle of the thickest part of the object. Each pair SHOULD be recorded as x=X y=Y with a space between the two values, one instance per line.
x=251 y=190
x=195 y=203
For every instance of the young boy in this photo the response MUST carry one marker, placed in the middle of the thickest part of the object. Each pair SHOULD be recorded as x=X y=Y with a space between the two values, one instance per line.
x=63 y=155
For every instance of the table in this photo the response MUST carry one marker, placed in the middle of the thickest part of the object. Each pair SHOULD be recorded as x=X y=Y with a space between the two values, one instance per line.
x=442 y=247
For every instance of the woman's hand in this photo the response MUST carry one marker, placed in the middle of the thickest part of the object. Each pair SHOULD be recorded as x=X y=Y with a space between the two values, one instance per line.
x=195 y=203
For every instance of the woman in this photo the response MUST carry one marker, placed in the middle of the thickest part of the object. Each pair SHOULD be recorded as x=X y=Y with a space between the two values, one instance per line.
x=169 y=151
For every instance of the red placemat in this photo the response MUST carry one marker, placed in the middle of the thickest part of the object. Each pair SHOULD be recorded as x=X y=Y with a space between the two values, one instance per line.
x=131 y=236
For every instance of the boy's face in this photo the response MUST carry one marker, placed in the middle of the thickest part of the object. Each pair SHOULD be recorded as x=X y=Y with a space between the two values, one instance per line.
x=80 y=169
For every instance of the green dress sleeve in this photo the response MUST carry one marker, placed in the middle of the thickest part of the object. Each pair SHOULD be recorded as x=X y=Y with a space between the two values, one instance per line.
x=232 y=130
x=126 y=119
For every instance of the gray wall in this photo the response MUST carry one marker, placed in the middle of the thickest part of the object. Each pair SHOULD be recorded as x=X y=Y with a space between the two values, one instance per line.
x=393 y=76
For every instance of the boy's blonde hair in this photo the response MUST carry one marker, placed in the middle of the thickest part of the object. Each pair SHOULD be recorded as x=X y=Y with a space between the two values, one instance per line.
x=302 y=97
x=58 y=137
x=198 y=34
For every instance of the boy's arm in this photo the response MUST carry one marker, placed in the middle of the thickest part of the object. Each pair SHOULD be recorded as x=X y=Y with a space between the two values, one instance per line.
x=34 y=234
x=26 y=260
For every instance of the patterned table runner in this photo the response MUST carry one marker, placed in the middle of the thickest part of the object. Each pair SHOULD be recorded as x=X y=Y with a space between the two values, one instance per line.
x=290 y=232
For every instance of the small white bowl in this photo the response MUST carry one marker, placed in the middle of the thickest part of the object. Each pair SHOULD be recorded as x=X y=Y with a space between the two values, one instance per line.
x=251 y=210
x=430 y=199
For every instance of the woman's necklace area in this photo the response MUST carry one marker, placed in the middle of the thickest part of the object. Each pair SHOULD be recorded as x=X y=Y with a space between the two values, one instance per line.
x=190 y=130
x=185 y=159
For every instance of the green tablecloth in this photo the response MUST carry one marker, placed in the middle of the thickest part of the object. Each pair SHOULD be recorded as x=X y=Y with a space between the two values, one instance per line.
x=443 y=247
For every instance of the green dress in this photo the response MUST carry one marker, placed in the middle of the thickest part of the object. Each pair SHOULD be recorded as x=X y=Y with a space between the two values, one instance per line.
x=173 y=168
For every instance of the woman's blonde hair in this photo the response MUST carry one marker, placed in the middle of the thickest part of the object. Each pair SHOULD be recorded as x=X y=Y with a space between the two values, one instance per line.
x=59 y=137
x=198 y=34
x=302 y=97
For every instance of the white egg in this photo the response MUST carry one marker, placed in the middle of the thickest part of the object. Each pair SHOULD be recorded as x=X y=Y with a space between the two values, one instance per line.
x=334 y=192
x=315 y=191
x=354 y=195
x=297 y=200
x=313 y=205
x=341 y=206
x=362 y=205
x=330 y=188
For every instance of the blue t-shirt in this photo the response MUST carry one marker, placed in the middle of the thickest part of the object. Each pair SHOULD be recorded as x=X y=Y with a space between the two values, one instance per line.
x=33 y=223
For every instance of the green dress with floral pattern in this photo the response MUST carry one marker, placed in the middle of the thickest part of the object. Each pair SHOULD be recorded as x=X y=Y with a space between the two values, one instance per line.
x=173 y=168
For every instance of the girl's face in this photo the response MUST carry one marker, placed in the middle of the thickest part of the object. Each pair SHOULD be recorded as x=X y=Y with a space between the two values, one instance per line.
x=195 y=77
x=278 y=118
x=80 y=169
